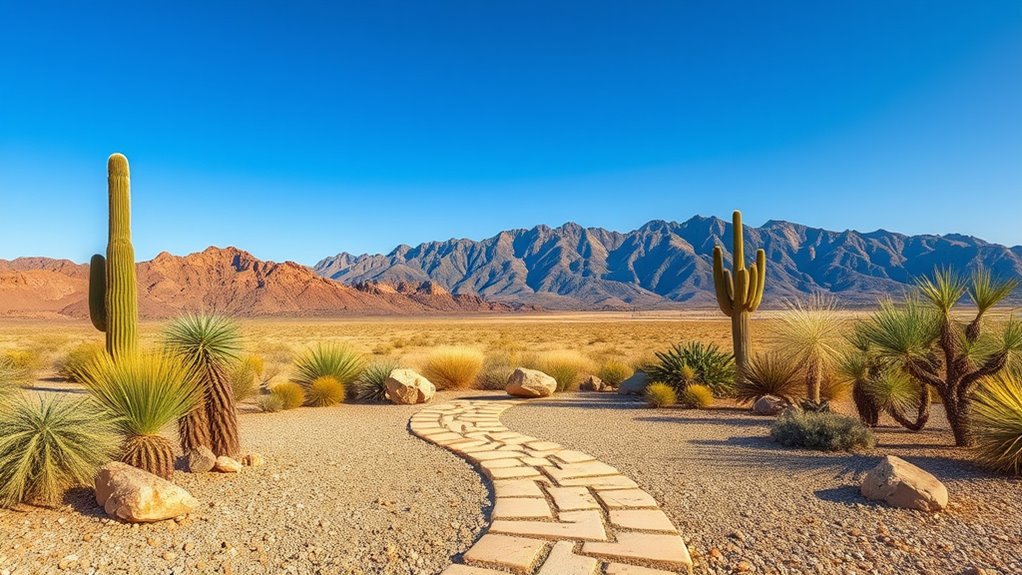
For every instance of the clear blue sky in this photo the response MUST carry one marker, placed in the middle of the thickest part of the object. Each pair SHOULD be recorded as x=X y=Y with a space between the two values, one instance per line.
x=296 y=130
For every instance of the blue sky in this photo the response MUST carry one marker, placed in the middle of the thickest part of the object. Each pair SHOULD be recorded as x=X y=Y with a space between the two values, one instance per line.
x=297 y=130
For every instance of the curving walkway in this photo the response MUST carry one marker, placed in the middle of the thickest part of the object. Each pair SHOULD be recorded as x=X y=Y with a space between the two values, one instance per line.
x=557 y=511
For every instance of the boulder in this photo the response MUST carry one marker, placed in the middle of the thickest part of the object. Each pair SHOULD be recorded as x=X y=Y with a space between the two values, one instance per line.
x=901 y=484
x=253 y=460
x=226 y=464
x=406 y=386
x=136 y=496
x=769 y=405
x=530 y=383
x=635 y=385
x=200 y=460
x=592 y=383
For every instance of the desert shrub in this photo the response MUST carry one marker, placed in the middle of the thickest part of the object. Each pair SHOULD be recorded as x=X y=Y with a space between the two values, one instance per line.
x=324 y=391
x=246 y=376
x=769 y=374
x=566 y=367
x=453 y=368
x=76 y=358
x=290 y=394
x=370 y=386
x=660 y=394
x=612 y=372
x=821 y=431
x=144 y=393
x=22 y=363
x=811 y=333
x=497 y=369
x=270 y=402
x=8 y=380
x=337 y=360
x=48 y=445
x=696 y=396
x=997 y=418
x=695 y=362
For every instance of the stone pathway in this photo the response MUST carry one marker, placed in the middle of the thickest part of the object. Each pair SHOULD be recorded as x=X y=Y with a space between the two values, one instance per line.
x=557 y=511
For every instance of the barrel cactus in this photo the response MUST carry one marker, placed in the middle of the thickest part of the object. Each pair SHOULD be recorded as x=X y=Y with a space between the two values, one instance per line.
x=739 y=291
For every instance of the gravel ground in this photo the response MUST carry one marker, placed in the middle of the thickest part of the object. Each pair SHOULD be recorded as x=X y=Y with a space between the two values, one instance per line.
x=345 y=490
x=737 y=496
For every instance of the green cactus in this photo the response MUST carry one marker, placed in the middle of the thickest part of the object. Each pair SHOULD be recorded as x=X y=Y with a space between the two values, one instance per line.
x=113 y=298
x=739 y=292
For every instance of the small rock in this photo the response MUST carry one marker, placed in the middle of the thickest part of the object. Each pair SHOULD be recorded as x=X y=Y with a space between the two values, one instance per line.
x=253 y=460
x=769 y=405
x=635 y=385
x=406 y=386
x=136 y=496
x=200 y=460
x=592 y=383
x=901 y=484
x=225 y=464
x=530 y=383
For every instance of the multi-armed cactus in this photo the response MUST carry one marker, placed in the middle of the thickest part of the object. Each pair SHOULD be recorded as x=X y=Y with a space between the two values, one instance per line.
x=739 y=292
x=113 y=299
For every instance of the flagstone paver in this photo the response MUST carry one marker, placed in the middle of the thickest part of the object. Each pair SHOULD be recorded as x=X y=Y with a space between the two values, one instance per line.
x=557 y=511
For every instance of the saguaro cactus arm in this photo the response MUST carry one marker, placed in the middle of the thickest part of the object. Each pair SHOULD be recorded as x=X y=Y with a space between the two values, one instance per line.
x=97 y=292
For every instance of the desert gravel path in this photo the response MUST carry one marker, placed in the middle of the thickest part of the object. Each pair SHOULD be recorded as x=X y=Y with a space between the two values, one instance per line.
x=557 y=511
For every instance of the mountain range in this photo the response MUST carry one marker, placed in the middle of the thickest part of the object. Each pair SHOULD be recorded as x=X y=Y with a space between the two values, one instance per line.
x=670 y=264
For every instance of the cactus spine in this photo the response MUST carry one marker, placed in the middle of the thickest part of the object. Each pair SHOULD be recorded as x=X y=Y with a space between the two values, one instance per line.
x=739 y=292
x=113 y=298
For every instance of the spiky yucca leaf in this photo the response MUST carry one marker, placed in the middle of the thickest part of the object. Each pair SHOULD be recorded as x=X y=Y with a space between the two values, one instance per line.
x=893 y=389
x=986 y=292
x=901 y=332
x=48 y=445
x=811 y=331
x=203 y=338
x=998 y=421
x=694 y=362
x=944 y=289
x=370 y=386
x=336 y=360
x=769 y=374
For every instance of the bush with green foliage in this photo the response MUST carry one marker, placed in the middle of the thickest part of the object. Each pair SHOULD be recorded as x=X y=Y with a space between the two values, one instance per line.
x=696 y=396
x=336 y=360
x=76 y=358
x=290 y=394
x=49 y=445
x=659 y=394
x=453 y=367
x=612 y=372
x=821 y=431
x=769 y=374
x=370 y=387
x=695 y=362
x=998 y=423
x=324 y=391
x=144 y=393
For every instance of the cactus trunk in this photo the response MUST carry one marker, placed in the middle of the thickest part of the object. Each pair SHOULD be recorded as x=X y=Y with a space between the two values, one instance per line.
x=740 y=340
x=739 y=291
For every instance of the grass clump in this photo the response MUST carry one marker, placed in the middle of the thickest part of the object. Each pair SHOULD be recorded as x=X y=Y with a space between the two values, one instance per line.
x=659 y=394
x=821 y=431
x=371 y=387
x=291 y=395
x=997 y=416
x=497 y=369
x=246 y=377
x=566 y=367
x=22 y=364
x=769 y=374
x=270 y=402
x=324 y=391
x=453 y=368
x=694 y=362
x=612 y=372
x=76 y=358
x=49 y=445
x=696 y=396
x=336 y=360
x=145 y=393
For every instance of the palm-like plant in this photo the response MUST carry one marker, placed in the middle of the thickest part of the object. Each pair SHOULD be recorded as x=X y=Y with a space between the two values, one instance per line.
x=49 y=445
x=336 y=360
x=145 y=393
x=694 y=362
x=769 y=374
x=878 y=384
x=925 y=339
x=999 y=423
x=208 y=343
x=811 y=332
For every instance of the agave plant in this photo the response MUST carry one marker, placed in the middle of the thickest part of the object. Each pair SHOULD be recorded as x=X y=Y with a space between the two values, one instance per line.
x=48 y=445
x=999 y=423
x=769 y=374
x=208 y=343
x=145 y=393
x=370 y=385
x=811 y=332
x=336 y=360
x=694 y=362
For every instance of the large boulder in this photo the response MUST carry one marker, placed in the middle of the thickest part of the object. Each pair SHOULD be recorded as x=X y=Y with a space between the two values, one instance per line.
x=136 y=496
x=592 y=383
x=200 y=460
x=406 y=386
x=530 y=383
x=635 y=385
x=901 y=484
x=769 y=405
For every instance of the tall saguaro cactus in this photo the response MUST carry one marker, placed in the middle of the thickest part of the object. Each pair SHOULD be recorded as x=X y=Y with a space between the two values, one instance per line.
x=113 y=297
x=739 y=291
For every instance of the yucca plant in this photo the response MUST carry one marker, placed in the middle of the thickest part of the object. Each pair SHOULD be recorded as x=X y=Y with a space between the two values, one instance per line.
x=49 y=445
x=925 y=338
x=209 y=343
x=811 y=332
x=144 y=393
x=998 y=423
x=371 y=385
x=453 y=368
x=694 y=362
x=336 y=360
x=769 y=373
x=324 y=391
